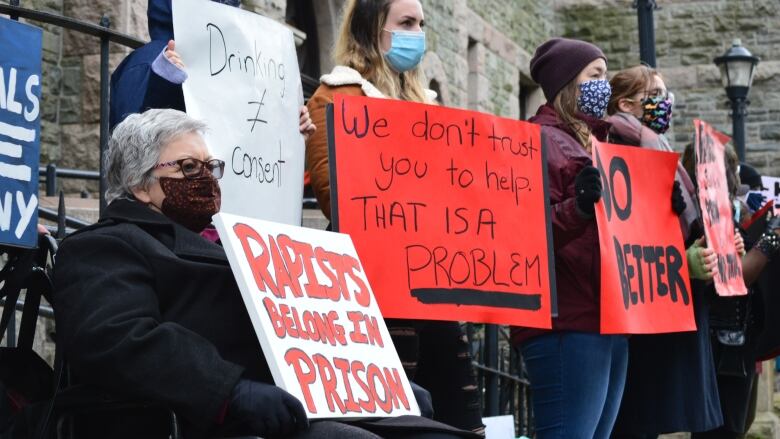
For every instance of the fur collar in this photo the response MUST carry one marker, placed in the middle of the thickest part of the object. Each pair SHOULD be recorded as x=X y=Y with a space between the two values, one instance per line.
x=343 y=75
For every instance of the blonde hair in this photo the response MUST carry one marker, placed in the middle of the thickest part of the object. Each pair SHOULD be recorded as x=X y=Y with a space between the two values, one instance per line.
x=565 y=104
x=357 y=47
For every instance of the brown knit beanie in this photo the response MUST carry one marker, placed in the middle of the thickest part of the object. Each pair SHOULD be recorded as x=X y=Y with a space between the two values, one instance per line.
x=559 y=60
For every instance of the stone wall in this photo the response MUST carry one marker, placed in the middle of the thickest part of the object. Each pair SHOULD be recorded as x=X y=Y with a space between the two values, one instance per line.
x=689 y=35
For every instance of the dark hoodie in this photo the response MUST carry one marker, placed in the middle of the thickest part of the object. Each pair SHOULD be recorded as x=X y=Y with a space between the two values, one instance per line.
x=134 y=86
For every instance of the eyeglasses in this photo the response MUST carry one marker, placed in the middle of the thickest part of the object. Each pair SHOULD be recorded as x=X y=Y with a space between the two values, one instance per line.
x=663 y=94
x=194 y=168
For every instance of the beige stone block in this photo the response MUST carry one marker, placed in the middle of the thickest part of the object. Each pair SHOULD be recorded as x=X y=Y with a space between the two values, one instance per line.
x=90 y=85
x=80 y=146
x=766 y=70
x=91 y=11
x=677 y=78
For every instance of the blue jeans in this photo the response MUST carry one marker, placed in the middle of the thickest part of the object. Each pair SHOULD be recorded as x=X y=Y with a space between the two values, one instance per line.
x=577 y=381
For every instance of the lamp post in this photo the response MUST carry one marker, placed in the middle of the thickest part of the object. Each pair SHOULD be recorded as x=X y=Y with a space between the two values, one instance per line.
x=737 y=67
x=646 y=24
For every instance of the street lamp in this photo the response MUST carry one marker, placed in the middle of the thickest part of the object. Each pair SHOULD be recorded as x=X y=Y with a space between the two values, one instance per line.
x=737 y=67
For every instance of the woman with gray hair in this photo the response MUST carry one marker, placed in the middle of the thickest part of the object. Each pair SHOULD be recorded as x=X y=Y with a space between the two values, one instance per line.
x=148 y=309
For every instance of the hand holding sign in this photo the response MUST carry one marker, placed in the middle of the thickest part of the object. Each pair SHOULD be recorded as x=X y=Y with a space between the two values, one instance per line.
x=716 y=209
x=173 y=57
x=316 y=318
x=448 y=210
x=20 y=92
x=644 y=275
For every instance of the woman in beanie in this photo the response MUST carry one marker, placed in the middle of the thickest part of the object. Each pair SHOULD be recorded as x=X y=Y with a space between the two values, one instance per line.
x=577 y=374
x=671 y=381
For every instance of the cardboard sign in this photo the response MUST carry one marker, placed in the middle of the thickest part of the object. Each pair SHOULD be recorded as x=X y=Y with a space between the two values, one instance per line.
x=716 y=209
x=447 y=209
x=244 y=83
x=20 y=127
x=645 y=287
x=316 y=318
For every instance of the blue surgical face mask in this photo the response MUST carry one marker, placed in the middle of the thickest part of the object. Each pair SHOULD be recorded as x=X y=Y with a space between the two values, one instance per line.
x=406 y=50
x=594 y=97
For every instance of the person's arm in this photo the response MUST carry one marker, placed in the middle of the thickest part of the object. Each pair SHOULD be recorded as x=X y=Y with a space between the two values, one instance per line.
x=109 y=324
x=767 y=247
x=317 y=153
x=136 y=87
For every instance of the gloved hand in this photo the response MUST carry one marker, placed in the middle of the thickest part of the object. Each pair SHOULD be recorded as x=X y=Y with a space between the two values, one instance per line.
x=265 y=410
x=755 y=201
x=702 y=261
x=424 y=400
x=587 y=189
x=773 y=225
x=678 y=203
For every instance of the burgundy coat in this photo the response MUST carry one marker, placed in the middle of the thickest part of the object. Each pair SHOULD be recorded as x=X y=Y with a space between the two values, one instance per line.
x=575 y=237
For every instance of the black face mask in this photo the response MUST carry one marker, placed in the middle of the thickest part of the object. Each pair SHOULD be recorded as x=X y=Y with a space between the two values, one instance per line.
x=191 y=202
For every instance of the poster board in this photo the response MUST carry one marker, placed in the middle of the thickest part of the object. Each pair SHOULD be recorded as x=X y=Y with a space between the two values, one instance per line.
x=716 y=209
x=645 y=287
x=316 y=318
x=243 y=81
x=20 y=128
x=447 y=208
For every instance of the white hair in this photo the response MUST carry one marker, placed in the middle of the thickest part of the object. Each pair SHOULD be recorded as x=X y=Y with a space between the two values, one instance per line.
x=135 y=146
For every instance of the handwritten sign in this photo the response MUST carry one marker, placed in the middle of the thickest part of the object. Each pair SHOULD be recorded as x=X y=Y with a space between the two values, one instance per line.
x=20 y=127
x=716 y=209
x=316 y=318
x=244 y=82
x=644 y=272
x=447 y=209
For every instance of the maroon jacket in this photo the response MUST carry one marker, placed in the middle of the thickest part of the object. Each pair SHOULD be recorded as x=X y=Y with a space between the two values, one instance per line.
x=575 y=237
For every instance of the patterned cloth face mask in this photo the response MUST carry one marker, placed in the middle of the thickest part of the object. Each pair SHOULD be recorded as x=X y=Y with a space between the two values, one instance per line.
x=594 y=97
x=657 y=113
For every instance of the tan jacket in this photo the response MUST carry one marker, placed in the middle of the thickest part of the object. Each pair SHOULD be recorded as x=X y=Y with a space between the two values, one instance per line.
x=342 y=80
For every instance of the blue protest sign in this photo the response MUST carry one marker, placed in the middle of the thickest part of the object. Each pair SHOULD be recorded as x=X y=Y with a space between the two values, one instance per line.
x=20 y=127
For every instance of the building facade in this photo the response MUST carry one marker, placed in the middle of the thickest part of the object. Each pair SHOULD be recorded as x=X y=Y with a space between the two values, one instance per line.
x=478 y=59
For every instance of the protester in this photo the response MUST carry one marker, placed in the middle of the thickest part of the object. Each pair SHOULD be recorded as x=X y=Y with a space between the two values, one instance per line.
x=152 y=75
x=378 y=52
x=671 y=384
x=148 y=309
x=737 y=321
x=576 y=374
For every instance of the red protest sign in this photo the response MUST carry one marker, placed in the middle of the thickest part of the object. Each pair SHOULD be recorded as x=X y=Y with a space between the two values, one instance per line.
x=716 y=209
x=447 y=210
x=314 y=314
x=644 y=272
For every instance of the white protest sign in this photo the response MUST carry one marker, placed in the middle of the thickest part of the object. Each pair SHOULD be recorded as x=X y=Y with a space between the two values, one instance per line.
x=316 y=318
x=243 y=81
x=771 y=190
x=499 y=427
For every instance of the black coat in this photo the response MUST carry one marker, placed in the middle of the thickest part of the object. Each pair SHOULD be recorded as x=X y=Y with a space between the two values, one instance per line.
x=148 y=309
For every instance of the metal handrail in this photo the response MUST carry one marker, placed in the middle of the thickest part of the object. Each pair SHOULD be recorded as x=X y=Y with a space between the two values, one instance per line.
x=43 y=310
x=73 y=24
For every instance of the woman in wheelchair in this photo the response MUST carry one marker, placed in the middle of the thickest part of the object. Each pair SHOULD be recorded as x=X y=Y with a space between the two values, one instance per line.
x=148 y=309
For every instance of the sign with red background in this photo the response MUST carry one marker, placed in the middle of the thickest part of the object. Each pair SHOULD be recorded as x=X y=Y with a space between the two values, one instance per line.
x=716 y=208
x=447 y=210
x=644 y=272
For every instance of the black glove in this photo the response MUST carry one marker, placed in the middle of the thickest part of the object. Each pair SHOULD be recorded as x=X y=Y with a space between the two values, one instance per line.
x=587 y=189
x=424 y=400
x=678 y=203
x=265 y=410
